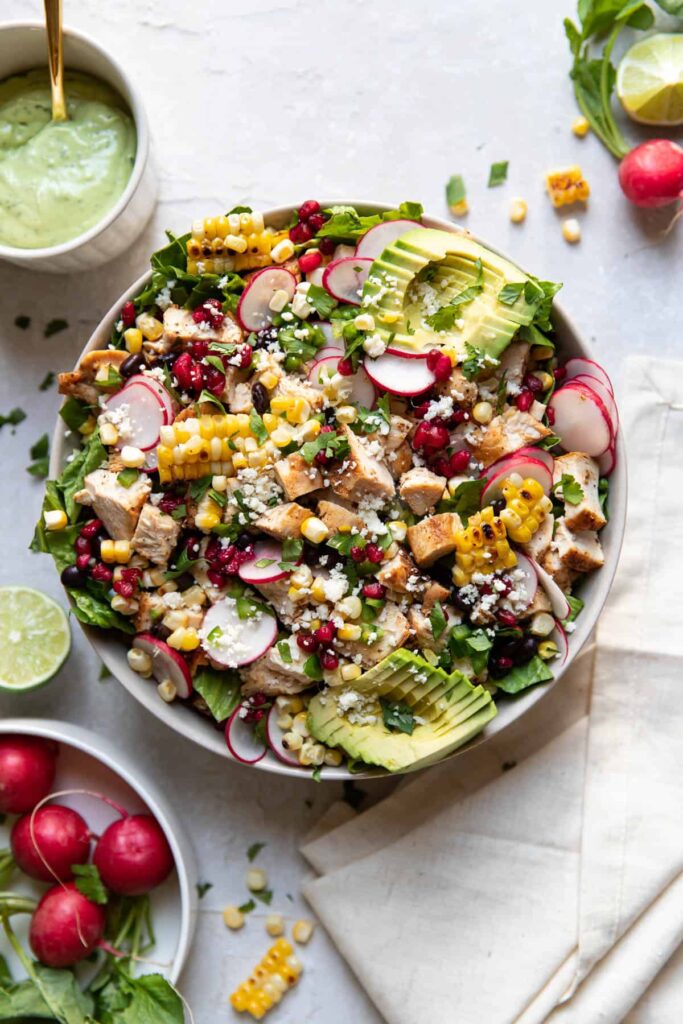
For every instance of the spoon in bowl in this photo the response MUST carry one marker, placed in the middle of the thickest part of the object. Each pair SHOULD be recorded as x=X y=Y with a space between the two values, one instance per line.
x=55 y=56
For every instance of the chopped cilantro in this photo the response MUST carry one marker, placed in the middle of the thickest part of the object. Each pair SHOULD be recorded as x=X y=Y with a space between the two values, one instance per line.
x=22 y=322
x=498 y=173
x=14 y=417
x=437 y=620
x=127 y=477
x=549 y=442
x=321 y=300
x=265 y=896
x=575 y=607
x=254 y=850
x=444 y=318
x=112 y=380
x=317 y=774
x=312 y=668
x=206 y=396
x=570 y=489
x=502 y=392
x=246 y=908
x=217 y=496
x=603 y=492
x=40 y=454
x=263 y=563
x=198 y=488
x=476 y=361
x=258 y=427
x=335 y=446
x=455 y=190
x=104 y=673
x=215 y=635
x=202 y=888
x=179 y=512
x=47 y=381
x=216 y=362
x=183 y=564
x=248 y=608
x=55 y=326
x=465 y=500
x=397 y=716
x=510 y=292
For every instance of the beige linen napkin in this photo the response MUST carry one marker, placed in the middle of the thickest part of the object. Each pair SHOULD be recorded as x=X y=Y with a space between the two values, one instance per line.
x=552 y=891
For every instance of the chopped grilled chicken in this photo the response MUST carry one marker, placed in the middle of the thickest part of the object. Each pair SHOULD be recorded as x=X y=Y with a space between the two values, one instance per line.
x=292 y=387
x=273 y=676
x=540 y=541
x=283 y=520
x=361 y=475
x=80 y=383
x=587 y=514
x=421 y=489
x=505 y=434
x=463 y=391
x=396 y=631
x=400 y=461
x=179 y=325
x=338 y=519
x=400 y=574
x=433 y=537
x=434 y=592
x=296 y=476
x=156 y=535
x=118 y=507
x=555 y=567
x=581 y=551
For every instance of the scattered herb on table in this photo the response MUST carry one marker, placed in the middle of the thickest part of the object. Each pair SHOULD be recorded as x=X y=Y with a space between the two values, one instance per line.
x=498 y=173
x=203 y=888
x=40 y=453
x=22 y=321
x=55 y=326
x=254 y=850
x=47 y=381
x=14 y=417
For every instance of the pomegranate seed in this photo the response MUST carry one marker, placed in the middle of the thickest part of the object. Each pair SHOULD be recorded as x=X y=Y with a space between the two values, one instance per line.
x=506 y=618
x=200 y=315
x=357 y=554
x=325 y=634
x=182 y=369
x=439 y=364
x=432 y=358
x=91 y=528
x=459 y=416
x=532 y=383
x=374 y=590
x=442 y=467
x=246 y=355
x=82 y=546
x=216 y=577
x=102 y=573
x=199 y=349
x=560 y=372
x=373 y=553
x=420 y=411
x=431 y=436
x=316 y=221
x=258 y=699
x=216 y=320
x=310 y=261
x=524 y=400
x=128 y=314
x=321 y=459
x=300 y=233
x=345 y=367
x=196 y=377
x=504 y=662
x=550 y=413
x=329 y=661
x=327 y=429
x=82 y=562
x=213 y=380
x=309 y=207
x=169 y=504
x=307 y=642
x=257 y=716
x=458 y=462
x=124 y=588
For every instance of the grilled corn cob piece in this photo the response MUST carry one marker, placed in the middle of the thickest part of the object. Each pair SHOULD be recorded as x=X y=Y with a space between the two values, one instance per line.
x=567 y=186
x=481 y=547
x=526 y=506
x=238 y=241
x=271 y=978
x=201 y=446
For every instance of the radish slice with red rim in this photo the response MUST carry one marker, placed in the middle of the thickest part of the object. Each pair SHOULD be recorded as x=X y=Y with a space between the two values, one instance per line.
x=605 y=396
x=557 y=597
x=166 y=663
x=533 y=453
x=275 y=735
x=607 y=461
x=399 y=374
x=316 y=276
x=243 y=742
x=344 y=278
x=578 y=366
x=144 y=413
x=374 y=242
x=560 y=637
x=525 y=587
x=362 y=389
x=581 y=420
x=525 y=467
x=343 y=252
x=158 y=389
x=323 y=369
x=328 y=352
x=253 y=309
x=232 y=641
x=403 y=353
x=264 y=551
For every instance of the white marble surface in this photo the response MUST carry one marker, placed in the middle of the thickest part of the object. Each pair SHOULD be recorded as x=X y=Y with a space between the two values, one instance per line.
x=275 y=101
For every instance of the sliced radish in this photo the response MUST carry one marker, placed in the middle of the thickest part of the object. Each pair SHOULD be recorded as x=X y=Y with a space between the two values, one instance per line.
x=400 y=375
x=560 y=637
x=253 y=309
x=158 y=389
x=581 y=420
x=344 y=279
x=538 y=454
x=275 y=735
x=403 y=353
x=525 y=468
x=232 y=641
x=151 y=461
x=605 y=396
x=329 y=350
x=362 y=389
x=316 y=276
x=578 y=366
x=526 y=588
x=143 y=413
x=342 y=252
x=374 y=242
x=558 y=600
x=264 y=551
x=166 y=663
x=322 y=369
x=242 y=741
x=607 y=461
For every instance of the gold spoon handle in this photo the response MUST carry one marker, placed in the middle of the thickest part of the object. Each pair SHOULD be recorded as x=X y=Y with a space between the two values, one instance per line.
x=55 y=56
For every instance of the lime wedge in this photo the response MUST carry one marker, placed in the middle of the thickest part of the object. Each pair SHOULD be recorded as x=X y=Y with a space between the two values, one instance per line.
x=34 y=638
x=650 y=80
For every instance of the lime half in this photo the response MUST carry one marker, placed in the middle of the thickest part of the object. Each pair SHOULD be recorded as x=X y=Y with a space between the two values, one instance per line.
x=34 y=638
x=650 y=80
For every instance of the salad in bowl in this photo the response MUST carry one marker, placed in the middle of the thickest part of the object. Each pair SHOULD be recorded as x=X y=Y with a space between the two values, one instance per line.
x=336 y=485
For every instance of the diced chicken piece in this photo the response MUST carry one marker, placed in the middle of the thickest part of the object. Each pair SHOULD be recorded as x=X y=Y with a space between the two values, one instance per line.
x=80 y=383
x=400 y=461
x=396 y=631
x=297 y=476
x=100 y=359
x=513 y=363
x=505 y=434
x=360 y=474
x=421 y=489
x=292 y=387
x=540 y=542
x=400 y=574
x=588 y=514
x=555 y=567
x=434 y=592
x=239 y=398
x=434 y=537
x=399 y=428
x=463 y=391
x=283 y=520
x=179 y=326
x=421 y=626
x=338 y=519
x=582 y=551
x=144 y=617
x=263 y=676
x=276 y=595
x=156 y=534
x=540 y=603
x=118 y=507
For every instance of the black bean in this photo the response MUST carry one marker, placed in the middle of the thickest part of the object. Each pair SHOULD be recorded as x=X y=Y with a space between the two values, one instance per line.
x=526 y=648
x=259 y=396
x=132 y=365
x=73 y=577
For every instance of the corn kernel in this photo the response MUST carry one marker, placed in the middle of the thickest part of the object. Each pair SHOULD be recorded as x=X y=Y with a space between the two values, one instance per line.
x=518 y=211
x=167 y=691
x=311 y=754
x=88 y=426
x=109 y=435
x=151 y=328
x=318 y=589
x=133 y=340
x=275 y=925
x=278 y=301
x=544 y=379
x=292 y=741
x=542 y=624
x=132 y=457
x=567 y=186
x=302 y=576
x=175 y=619
x=314 y=530
x=139 y=661
x=333 y=758
x=122 y=551
x=300 y=725
x=233 y=918
x=269 y=379
x=350 y=607
x=302 y=931
x=580 y=127
x=399 y=529
x=349 y=631
x=571 y=230
x=282 y=436
x=483 y=412
x=240 y=460
x=350 y=671
x=55 y=519
x=346 y=414
x=364 y=322
x=124 y=605
x=283 y=251
x=284 y=722
x=257 y=460
x=459 y=209
x=256 y=880
x=107 y=553
x=291 y=705
x=309 y=430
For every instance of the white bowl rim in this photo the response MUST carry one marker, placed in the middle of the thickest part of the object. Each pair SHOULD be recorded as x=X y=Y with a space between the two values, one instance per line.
x=585 y=623
x=90 y=743
x=137 y=111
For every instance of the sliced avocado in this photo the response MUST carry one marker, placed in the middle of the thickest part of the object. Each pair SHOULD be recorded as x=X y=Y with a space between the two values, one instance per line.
x=426 y=269
x=448 y=708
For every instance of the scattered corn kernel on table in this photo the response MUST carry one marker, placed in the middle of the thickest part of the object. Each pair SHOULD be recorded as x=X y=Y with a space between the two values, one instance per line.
x=230 y=124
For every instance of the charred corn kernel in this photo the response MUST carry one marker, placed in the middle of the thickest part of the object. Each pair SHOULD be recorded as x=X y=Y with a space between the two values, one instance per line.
x=269 y=379
x=55 y=519
x=256 y=879
x=139 y=661
x=279 y=300
x=257 y=459
x=566 y=186
x=208 y=514
x=526 y=506
x=109 y=435
x=542 y=624
x=302 y=930
x=284 y=722
x=350 y=607
x=193 y=596
x=124 y=605
x=292 y=705
x=333 y=758
x=481 y=547
x=518 y=211
x=318 y=589
x=571 y=230
x=364 y=322
x=314 y=530
x=219 y=483
x=547 y=650
x=300 y=725
x=278 y=971
x=302 y=576
x=346 y=414
x=310 y=430
x=275 y=925
x=132 y=457
x=233 y=918
x=311 y=754
x=88 y=426
x=183 y=639
x=399 y=529
x=483 y=412
x=349 y=631
x=283 y=251
x=189 y=448
x=167 y=691
x=240 y=461
x=350 y=671
x=149 y=326
x=175 y=619
x=292 y=741
x=580 y=127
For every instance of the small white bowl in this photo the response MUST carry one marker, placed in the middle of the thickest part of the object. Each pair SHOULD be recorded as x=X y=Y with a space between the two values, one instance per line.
x=89 y=761
x=112 y=649
x=23 y=46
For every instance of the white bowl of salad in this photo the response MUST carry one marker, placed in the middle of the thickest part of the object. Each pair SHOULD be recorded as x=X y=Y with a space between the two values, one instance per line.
x=331 y=487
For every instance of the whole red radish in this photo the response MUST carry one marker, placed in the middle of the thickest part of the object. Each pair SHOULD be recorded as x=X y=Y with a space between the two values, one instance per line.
x=66 y=927
x=27 y=771
x=133 y=855
x=652 y=174
x=59 y=833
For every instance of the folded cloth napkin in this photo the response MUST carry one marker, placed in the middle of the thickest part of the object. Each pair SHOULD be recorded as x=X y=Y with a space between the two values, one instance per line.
x=551 y=890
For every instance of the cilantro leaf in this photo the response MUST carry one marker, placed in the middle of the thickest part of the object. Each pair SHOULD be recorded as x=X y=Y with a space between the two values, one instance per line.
x=444 y=318
x=258 y=427
x=510 y=292
x=570 y=489
x=206 y=396
x=455 y=190
x=55 y=326
x=14 y=417
x=576 y=606
x=265 y=896
x=437 y=620
x=198 y=488
x=498 y=173
x=246 y=908
x=22 y=322
x=47 y=381
x=313 y=669
x=202 y=888
x=88 y=882
x=397 y=716
x=40 y=454
x=182 y=564
x=321 y=300
x=476 y=361
x=254 y=850
x=335 y=446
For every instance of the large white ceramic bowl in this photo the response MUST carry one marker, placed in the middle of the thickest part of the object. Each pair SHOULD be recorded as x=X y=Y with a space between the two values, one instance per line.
x=112 y=650
x=89 y=761
x=23 y=46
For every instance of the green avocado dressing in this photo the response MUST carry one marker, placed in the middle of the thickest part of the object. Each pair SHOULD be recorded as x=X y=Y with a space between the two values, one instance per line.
x=58 y=179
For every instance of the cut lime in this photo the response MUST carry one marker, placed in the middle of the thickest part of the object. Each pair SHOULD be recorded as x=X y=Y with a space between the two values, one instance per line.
x=650 y=80
x=34 y=638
